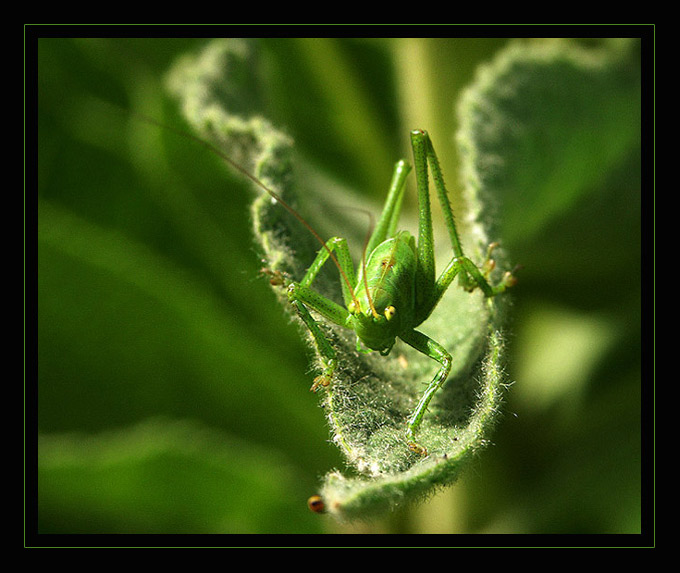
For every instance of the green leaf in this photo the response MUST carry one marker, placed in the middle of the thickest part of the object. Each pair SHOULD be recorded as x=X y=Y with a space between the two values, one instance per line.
x=149 y=298
x=119 y=482
x=543 y=124
x=368 y=403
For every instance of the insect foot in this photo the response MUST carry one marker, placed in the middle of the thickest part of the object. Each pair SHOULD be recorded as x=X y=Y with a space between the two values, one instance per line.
x=414 y=446
x=509 y=279
x=321 y=380
x=489 y=264
x=324 y=379
x=276 y=278
x=417 y=449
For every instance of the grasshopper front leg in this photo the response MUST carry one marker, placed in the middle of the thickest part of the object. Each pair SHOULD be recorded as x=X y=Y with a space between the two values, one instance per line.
x=324 y=347
x=303 y=297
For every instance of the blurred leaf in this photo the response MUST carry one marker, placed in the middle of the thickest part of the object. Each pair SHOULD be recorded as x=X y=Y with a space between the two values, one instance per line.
x=336 y=99
x=545 y=123
x=130 y=303
x=166 y=477
x=559 y=354
x=149 y=298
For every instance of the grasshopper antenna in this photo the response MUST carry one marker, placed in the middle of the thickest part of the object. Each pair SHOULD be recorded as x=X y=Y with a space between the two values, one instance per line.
x=363 y=265
x=243 y=171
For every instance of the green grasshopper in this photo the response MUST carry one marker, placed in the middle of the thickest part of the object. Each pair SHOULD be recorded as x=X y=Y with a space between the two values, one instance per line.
x=395 y=289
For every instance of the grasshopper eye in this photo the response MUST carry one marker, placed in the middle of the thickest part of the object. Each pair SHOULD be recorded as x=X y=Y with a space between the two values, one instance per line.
x=390 y=311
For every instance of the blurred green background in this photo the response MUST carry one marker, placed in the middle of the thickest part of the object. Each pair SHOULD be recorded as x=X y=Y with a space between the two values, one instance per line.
x=172 y=390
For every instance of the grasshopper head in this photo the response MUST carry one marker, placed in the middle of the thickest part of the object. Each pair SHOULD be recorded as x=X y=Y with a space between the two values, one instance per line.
x=378 y=330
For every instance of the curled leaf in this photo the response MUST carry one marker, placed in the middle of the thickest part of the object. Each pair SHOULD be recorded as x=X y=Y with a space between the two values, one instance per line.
x=371 y=396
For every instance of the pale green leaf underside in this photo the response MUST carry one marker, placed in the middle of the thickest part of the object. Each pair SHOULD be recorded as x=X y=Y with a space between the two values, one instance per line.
x=368 y=403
